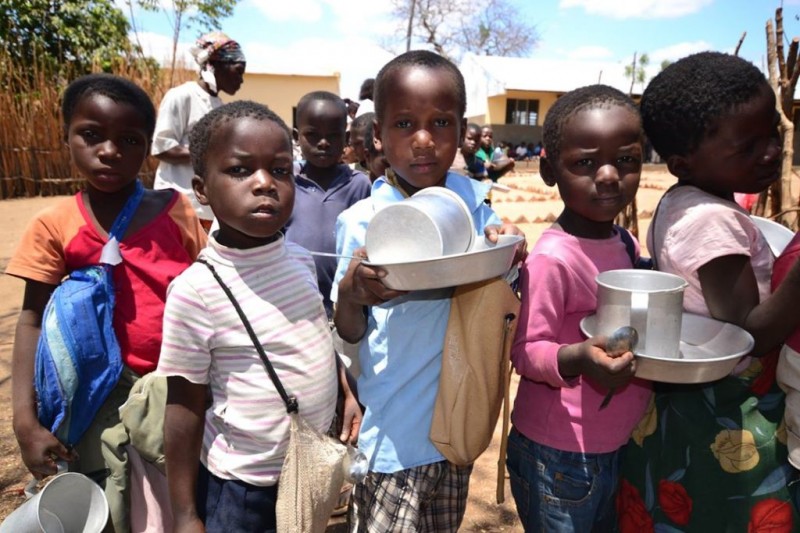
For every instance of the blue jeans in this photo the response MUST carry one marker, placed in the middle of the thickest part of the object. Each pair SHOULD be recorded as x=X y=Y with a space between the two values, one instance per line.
x=228 y=506
x=562 y=491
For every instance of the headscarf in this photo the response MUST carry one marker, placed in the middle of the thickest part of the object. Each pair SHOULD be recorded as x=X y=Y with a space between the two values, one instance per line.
x=215 y=46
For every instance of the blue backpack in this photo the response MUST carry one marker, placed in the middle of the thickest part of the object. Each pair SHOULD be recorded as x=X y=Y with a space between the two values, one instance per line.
x=78 y=360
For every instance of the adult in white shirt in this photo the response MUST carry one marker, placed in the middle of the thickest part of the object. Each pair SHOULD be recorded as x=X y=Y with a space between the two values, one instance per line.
x=222 y=65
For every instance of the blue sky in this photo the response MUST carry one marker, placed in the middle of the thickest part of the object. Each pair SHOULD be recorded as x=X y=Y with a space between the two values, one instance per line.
x=355 y=37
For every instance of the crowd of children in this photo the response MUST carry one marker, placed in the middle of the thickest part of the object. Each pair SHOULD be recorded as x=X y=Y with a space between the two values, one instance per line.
x=706 y=457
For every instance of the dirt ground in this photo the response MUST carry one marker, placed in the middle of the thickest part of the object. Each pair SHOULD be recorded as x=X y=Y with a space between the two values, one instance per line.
x=530 y=204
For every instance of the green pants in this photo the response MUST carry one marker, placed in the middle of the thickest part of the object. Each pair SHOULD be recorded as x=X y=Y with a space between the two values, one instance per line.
x=101 y=451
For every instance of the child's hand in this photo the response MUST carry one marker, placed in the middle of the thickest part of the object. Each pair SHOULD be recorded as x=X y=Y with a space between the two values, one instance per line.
x=493 y=231
x=607 y=369
x=362 y=284
x=40 y=450
x=590 y=359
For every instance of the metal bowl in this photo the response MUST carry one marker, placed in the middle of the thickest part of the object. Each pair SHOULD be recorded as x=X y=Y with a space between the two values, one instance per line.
x=778 y=236
x=709 y=350
x=485 y=260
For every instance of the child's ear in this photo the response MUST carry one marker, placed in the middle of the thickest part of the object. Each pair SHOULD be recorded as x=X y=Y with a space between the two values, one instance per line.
x=679 y=166
x=295 y=135
x=199 y=187
x=376 y=131
x=377 y=144
x=463 y=132
x=547 y=172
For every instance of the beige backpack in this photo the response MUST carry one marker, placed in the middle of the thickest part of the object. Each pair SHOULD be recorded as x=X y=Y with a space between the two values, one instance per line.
x=475 y=369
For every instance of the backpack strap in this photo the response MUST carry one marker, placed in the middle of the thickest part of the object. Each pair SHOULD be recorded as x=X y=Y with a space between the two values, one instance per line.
x=110 y=254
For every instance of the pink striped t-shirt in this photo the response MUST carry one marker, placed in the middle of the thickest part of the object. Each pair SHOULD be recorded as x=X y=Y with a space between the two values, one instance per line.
x=247 y=428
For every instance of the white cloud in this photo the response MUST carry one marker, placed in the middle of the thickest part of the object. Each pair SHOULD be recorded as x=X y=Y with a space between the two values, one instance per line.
x=321 y=56
x=647 y=9
x=677 y=51
x=590 y=52
x=159 y=47
x=289 y=10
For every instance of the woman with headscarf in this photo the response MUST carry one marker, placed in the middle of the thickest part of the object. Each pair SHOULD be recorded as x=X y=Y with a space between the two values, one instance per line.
x=222 y=65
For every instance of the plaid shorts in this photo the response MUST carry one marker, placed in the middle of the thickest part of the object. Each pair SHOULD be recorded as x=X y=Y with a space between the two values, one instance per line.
x=424 y=498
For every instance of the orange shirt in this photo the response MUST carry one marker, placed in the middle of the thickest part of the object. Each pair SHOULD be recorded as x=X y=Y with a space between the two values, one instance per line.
x=63 y=238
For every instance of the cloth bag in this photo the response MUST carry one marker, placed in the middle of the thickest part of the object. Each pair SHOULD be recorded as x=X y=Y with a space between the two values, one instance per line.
x=78 y=360
x=313 y=469
x=475 y=369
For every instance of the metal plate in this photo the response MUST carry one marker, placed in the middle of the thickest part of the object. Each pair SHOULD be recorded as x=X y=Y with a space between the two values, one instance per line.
x=710 y=349
x=484 y=261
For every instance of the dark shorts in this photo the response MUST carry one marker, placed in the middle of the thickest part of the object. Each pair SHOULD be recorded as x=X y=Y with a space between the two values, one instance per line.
x=226 y=505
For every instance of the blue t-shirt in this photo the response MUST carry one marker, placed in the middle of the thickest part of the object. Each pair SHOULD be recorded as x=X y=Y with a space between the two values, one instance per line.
x=313 y=220
x=401 y=352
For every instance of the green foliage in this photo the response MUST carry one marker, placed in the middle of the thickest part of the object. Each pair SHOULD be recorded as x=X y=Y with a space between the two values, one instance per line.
x=637 y=71
x=78 y=33
x=203 y=14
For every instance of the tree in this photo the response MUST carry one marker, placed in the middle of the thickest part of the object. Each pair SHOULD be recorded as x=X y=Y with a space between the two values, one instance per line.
x=185 y=14
x=784 y=71
x=637 y=72
x=452 y=27
x=74 y=33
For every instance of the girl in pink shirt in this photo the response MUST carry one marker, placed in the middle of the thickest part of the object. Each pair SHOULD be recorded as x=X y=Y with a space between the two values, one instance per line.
x=563 y=451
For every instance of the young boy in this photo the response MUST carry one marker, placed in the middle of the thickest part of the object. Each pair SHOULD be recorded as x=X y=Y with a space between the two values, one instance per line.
x=325 y=187
x=495 y=166
x=373 y=151
x=358 y=129
x=420 y=101
x=242 y=156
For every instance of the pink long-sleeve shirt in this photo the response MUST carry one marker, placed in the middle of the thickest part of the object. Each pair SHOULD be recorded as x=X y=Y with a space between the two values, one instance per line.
x=558 y=290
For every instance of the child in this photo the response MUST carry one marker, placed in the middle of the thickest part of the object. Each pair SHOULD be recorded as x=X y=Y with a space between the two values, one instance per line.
x=358 y=129
x=242 y=156
x=108 y=126
x=325 y=187
x=561 y=435
x=712 y=457
x=474 y=165
x=420 y=102
x=788 y=371
x=376 y=161
x=496 y=166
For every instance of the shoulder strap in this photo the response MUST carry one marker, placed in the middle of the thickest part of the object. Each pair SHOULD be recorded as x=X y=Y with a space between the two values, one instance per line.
x=110 y=254
x=290 y=401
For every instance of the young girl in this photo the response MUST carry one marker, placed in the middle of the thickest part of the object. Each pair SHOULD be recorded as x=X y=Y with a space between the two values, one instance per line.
x=563 y=451
x=108 y=125
x=242 y=156
x=712 y=457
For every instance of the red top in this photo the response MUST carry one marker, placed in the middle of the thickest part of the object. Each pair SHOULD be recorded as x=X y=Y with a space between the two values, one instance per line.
x=779 y=271
x=63 y=238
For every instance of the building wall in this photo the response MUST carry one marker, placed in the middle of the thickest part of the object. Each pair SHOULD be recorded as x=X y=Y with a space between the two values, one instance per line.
x=281 y=92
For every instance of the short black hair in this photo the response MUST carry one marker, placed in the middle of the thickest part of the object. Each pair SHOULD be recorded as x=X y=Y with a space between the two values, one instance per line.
x=118 y=89
x=567 y=106
x=683 y=101
x=361 y=121
x=418 y=58
x=473 y=127
x=201 y=133
x=366 y=90
x=321 y=96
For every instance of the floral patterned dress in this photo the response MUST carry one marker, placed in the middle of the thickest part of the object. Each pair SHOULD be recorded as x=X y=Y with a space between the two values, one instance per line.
x=711 y=458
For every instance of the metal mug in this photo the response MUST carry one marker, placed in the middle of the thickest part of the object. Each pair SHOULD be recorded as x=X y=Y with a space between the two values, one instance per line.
x=649 y=301
x=432 y=223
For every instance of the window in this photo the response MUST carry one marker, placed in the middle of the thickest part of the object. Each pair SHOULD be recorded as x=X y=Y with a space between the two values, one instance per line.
x=524 y=112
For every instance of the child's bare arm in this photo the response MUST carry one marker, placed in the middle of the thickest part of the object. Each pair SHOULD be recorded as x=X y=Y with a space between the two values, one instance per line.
x=589 y=358
x=183 y=438
x=351 y=413
x=360 y=287
x=731 y=294
x=39 y=448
